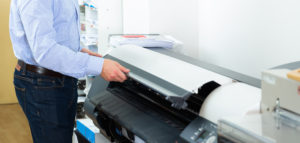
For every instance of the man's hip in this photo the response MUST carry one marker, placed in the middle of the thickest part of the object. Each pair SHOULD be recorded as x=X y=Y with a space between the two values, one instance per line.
x=49 y=103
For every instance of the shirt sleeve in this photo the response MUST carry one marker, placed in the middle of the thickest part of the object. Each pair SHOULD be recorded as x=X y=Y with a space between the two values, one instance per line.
x=37 y=18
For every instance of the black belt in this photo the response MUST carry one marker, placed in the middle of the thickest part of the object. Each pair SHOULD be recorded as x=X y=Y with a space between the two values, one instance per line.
x=39 y=70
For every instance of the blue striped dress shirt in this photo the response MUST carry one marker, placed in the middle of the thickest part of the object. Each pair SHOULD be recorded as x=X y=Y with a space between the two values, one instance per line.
x=46 y=33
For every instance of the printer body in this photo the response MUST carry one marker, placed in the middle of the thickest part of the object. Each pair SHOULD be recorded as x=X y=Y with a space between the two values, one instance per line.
x=278 y=120
x=127 y=113
x=158 y=103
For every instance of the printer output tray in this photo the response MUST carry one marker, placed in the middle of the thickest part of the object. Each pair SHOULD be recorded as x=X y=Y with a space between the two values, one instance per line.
x=147 y=120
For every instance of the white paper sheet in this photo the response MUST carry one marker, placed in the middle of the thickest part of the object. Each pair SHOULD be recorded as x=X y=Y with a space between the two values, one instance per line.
x=177 y=72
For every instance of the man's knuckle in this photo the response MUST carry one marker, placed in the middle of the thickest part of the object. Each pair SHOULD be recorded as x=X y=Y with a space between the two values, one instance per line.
x=116 y=72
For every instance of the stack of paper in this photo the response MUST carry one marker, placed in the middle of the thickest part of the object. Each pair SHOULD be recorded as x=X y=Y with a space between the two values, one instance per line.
x=146 y=41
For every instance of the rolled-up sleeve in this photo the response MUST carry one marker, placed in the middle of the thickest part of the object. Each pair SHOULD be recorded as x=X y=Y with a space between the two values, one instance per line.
x=38 y=18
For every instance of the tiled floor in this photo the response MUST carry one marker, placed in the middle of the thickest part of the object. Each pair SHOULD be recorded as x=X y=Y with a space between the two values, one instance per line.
x=14 y=127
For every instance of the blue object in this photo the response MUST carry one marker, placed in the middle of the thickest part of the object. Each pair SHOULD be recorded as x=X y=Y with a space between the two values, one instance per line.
x=46 y=33
x=86 y=132
x=51 y=109
x=118 y=132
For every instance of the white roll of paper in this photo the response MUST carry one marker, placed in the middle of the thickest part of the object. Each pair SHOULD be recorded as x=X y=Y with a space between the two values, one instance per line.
x=235 y=99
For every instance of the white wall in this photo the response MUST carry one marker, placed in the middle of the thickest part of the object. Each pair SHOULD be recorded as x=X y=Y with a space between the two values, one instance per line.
x=244 y=36
x=249 y=36
x=136 y=16
x=174 y=17
x=177 y=18
x=110 y=21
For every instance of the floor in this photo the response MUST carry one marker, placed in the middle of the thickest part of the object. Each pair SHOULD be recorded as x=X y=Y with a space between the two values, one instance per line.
x=14 y=127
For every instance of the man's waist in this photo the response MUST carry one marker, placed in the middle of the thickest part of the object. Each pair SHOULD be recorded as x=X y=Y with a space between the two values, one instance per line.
x=37 y=69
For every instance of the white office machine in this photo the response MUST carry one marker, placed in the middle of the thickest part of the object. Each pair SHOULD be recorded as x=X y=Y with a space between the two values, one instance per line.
x=168 y=97
x=279 y=117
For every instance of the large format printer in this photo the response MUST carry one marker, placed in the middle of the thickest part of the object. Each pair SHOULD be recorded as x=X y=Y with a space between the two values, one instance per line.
x=279 y=118
x=167 y=99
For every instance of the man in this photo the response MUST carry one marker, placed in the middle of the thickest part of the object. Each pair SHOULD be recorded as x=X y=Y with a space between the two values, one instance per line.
x=45 y=38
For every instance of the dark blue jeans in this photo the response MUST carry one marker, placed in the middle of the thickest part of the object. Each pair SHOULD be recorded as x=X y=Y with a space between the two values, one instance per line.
x=49 y=104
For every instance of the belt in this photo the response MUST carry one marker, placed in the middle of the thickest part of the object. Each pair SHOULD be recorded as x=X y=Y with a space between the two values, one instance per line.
x=39 y=70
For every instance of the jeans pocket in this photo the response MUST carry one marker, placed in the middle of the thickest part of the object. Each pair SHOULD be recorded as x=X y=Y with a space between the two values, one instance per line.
x=21 y=95
x=44 y=83
x=53 y=104
x=23 y=78
x=49 y=90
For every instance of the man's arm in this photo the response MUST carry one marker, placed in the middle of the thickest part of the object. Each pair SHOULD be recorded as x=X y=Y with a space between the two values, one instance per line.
x=112 y=71
x=84 y=50
x=37 y=18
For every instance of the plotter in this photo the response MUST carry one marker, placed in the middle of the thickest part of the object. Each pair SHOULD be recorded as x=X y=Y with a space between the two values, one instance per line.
x=167 y=98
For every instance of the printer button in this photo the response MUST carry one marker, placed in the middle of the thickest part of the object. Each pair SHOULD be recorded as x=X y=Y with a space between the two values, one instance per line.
x=197 y=133
x=211 y=139
x=200 y=129
x=193 y=138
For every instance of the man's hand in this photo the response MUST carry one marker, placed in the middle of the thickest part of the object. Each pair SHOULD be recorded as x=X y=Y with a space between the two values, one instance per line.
x=84 y=50
x=113 y=71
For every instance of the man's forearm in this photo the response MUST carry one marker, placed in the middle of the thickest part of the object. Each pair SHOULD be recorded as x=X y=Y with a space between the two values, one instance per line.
x=85 y=50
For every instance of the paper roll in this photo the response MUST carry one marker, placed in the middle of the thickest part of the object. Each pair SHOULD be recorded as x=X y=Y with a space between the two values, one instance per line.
x=233 y=99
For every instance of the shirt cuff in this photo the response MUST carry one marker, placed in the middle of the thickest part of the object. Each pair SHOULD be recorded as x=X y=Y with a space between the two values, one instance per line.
x=94 y=66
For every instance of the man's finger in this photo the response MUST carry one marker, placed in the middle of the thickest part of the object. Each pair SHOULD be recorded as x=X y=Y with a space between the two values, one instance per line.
x=98 y=55
x=117 y=79
x=122 y=76
x=95 y=54
x=123 y=69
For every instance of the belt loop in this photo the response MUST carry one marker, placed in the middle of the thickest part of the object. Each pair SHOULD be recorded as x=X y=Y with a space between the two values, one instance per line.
x=23 y=67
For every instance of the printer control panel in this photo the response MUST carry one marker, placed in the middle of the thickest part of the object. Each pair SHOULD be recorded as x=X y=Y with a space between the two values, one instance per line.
x=200 y=131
